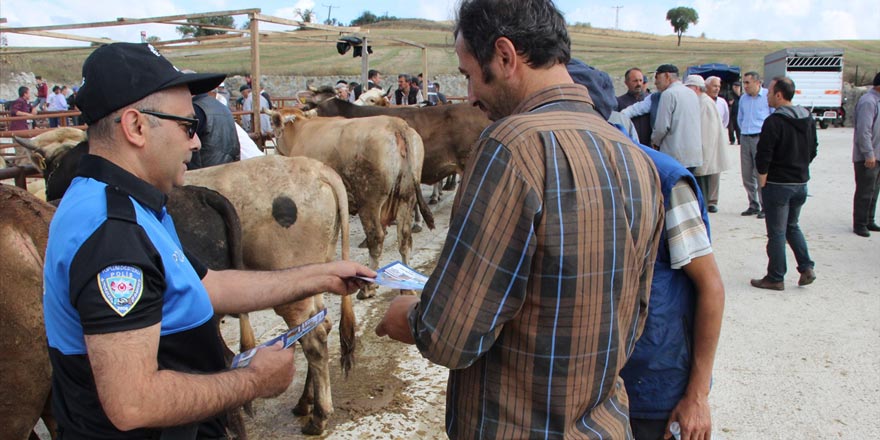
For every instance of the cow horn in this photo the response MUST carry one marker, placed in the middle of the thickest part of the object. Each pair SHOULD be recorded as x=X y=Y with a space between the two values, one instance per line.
x=27 y=143
x=35 y=153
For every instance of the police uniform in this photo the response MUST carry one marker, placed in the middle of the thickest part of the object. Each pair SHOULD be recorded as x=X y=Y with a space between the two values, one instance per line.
x=114 y=263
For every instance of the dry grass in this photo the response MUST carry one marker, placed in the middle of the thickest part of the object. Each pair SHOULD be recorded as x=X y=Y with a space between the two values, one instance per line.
x=610 y=50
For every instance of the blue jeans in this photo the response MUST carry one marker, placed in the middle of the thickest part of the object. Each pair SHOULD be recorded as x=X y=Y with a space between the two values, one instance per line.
x=782 y=205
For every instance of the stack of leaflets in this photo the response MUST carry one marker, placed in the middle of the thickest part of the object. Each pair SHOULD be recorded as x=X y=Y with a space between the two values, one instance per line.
x=399 y=276
x=289 y=337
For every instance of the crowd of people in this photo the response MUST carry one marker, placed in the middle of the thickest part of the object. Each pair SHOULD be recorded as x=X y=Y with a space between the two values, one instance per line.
x=61 y=98
x=577 y=293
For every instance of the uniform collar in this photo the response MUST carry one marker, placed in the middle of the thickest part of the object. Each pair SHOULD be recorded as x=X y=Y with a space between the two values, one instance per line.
x=98 y=168
x=560 y=92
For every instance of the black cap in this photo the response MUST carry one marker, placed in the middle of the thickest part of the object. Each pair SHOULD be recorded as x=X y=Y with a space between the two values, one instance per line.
x=244 y=87
x=877 y=79
x=118 y=74
x=667 y=68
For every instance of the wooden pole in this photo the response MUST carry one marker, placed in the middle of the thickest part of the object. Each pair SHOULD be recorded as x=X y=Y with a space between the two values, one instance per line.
x=425 y=78
x=255 y=74
x=365 y=65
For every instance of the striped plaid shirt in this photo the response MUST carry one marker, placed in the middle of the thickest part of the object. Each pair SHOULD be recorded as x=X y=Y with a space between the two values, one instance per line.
x=542 y=286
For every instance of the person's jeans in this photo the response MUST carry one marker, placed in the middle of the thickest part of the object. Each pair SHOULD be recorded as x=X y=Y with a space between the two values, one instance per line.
x=782 y=205
x=865 y=197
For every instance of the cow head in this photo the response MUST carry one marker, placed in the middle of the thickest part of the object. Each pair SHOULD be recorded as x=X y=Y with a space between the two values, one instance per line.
x=56 y=154
x=374 y=97
x=283 y=116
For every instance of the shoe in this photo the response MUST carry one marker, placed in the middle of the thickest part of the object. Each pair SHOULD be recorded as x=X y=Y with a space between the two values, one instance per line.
x=761 y=214
x=873 y=227
x=861 y=231
x=807 y=277
x=712 y=208
x=764 y=283
x=750 y=211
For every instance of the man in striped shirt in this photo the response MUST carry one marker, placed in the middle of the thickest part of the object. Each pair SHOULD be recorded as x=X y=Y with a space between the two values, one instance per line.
x=541 y=288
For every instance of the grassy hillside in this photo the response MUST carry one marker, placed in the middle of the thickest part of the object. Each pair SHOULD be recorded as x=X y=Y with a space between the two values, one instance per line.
x=610 y=50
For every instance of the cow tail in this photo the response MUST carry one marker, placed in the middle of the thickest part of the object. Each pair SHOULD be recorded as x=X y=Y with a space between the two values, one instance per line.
x=348 y=321
x=417 y=184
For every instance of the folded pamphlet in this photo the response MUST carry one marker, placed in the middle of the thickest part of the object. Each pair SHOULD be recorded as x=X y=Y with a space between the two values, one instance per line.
x=399 y=276
x=288 y=338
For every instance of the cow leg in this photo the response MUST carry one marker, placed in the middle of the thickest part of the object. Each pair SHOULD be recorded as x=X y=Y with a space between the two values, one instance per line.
x=404 y=238
x=450 y=183
x=314 y=346
x=375 y=233
x=436 y=195
x=417 y=221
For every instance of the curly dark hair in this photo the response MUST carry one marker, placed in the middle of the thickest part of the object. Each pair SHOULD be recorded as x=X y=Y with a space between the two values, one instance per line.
x=535 y=27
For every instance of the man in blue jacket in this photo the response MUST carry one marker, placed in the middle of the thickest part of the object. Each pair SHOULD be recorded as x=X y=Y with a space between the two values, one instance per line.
x=669 y=372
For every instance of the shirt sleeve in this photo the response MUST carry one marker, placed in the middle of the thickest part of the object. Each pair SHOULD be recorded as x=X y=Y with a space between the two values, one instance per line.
x=479 y=283
x=117 y=280
x=640 y=108
x=766 y=144
x=664 y=118
x=866 y=112
x=685 y=231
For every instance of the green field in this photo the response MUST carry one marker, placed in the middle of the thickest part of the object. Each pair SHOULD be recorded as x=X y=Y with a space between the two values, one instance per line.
x=287 y=54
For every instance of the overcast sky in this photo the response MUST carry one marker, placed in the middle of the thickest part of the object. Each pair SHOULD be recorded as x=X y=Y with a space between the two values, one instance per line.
x=774 y=20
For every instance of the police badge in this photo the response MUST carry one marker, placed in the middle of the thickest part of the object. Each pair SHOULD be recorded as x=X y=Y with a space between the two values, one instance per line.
x=121 y=287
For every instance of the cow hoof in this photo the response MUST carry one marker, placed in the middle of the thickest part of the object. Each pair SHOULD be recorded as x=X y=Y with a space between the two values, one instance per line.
x=433 y=201
x=312 y=428
x=366 y=294
x=416 y=228
x=302 y=409
x=363 y=244
x=449 y=186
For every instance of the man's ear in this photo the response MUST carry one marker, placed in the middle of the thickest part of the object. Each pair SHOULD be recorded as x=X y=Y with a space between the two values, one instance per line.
x=506 y=54
x=133 y=126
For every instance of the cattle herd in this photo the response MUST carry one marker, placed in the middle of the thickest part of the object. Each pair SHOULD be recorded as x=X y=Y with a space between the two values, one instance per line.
x=266 y=213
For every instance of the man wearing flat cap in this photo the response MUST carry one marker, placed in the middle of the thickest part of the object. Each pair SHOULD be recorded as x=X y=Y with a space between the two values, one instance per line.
x=677 y=127
x=128 y=312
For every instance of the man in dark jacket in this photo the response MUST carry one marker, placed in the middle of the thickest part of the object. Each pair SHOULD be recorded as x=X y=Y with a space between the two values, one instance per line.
x=217 y=133
x=786 y=147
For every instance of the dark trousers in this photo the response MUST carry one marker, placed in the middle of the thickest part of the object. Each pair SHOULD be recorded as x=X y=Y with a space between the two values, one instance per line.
x=703 y=182
x=54 y=122
x=648 y=429
x=782 y=205
x=865 y=198
x=733 y=133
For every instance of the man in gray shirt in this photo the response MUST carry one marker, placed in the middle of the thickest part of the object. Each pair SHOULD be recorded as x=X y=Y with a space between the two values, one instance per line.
x=866 y=151
x=677 y=128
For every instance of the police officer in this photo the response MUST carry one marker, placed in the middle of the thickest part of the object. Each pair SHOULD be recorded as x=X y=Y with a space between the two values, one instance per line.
x=128 y=313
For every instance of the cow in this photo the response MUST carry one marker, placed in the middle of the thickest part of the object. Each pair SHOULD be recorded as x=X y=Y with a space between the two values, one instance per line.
x=26 y=380
x=379 y=159
x=449 y=132
x=270 y=193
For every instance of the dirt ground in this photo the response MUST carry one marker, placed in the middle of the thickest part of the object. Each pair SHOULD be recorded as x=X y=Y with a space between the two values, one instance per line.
x=799 y=364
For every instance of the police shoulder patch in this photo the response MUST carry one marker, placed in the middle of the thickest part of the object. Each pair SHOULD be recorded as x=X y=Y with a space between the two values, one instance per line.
x=121 y=286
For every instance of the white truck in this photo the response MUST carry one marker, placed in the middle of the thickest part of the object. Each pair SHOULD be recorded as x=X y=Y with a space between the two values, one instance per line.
x=817 y=73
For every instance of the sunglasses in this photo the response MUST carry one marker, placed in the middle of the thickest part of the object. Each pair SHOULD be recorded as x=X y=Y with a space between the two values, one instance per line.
x=191 y=125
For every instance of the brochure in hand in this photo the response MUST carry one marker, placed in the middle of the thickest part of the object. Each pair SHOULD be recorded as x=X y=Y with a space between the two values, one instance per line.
x=399 y=276
x=288 y=338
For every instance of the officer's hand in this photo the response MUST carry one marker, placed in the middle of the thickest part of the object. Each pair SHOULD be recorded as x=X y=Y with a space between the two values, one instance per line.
x=274 y=369
x=340 y=277
x=870 y=163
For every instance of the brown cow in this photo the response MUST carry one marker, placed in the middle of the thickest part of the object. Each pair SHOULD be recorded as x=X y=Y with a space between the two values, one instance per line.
x=25 y=380
x=449 y=132
x=379 y=159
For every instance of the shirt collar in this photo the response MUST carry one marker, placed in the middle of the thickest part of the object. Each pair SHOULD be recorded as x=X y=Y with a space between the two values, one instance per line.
x=559 y=92
x=98 y=168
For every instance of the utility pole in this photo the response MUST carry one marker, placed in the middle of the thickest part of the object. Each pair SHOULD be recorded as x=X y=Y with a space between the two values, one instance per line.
x=616 y=16
x=329 y=11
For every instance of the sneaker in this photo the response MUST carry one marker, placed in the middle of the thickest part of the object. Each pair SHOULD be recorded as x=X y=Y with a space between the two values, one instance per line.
x=764 y=283
x=873 y=227
x=750 y=211
x=712 y=208
x=761 y=214
x=807 y=277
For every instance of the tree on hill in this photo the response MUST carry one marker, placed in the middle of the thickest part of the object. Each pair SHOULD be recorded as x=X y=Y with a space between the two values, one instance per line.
x=369 y=18
x=197 y=31
x=680 y=18
x=305 y=15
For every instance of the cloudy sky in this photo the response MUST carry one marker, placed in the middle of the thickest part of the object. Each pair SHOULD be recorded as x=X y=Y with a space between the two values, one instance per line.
x=719 y=19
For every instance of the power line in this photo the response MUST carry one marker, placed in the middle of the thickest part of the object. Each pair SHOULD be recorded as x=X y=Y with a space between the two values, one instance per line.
x=616 y=16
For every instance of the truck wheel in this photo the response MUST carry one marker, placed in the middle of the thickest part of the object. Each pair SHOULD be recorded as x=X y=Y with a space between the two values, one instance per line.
x=823 y=124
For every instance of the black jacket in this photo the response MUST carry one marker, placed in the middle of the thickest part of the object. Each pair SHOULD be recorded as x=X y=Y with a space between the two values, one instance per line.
x=787 y=145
